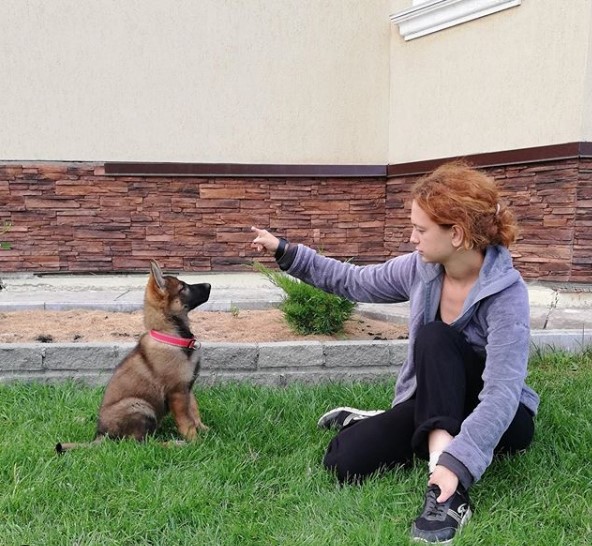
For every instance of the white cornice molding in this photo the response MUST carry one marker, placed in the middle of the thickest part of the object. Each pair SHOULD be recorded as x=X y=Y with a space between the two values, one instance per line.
x=434 y=15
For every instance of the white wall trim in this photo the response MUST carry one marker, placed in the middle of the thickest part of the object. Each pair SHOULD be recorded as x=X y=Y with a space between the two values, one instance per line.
x=433 y=15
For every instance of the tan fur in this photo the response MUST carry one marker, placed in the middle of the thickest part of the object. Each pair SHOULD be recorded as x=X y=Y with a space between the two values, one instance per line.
x=155 y=378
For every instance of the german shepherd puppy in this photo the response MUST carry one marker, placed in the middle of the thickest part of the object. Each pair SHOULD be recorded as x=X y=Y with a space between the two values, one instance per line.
x=157 y=376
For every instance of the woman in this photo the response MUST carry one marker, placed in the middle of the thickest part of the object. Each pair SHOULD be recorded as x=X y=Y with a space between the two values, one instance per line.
x=461 y=395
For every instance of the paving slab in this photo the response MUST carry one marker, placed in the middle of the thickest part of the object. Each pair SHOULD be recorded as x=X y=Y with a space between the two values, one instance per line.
x=553 y=307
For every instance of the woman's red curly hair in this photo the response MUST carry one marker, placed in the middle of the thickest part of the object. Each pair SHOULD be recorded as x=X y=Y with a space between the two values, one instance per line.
x=457 y=194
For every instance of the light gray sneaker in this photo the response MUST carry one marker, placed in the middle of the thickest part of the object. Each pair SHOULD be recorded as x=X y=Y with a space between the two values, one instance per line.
x=339 y=418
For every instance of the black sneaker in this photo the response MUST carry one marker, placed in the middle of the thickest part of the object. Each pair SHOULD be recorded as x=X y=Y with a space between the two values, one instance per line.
x=340 y=417
x=439 y=522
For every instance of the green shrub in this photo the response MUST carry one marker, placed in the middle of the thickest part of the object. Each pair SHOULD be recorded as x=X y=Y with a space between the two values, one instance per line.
x=309 y=310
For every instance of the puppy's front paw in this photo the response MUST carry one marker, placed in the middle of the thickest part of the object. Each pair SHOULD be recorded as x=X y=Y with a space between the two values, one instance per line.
x=190 y=433
x=203 y=428
x=174 y=443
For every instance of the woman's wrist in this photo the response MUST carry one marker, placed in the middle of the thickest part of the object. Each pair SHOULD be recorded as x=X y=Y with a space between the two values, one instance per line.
x=281 y=249
x=286 y=260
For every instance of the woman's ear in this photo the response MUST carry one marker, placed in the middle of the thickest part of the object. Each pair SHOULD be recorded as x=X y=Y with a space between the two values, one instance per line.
x=458 y=236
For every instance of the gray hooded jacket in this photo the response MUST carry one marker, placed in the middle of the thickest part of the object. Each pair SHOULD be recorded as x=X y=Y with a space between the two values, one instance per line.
x=494 y=320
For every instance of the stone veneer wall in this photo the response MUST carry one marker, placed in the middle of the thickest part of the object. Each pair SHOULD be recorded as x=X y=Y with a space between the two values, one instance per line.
x=553 y=204
x=74 y=218
x=71 y=217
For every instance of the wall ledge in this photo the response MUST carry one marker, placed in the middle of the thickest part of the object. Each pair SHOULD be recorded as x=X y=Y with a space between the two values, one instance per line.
x=434 y=15
x=242 y=170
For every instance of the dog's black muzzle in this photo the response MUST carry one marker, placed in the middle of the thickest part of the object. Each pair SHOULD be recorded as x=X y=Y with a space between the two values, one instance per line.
x=197 y=294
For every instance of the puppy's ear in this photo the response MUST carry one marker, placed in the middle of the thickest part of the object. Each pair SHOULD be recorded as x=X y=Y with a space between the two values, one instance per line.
x=157 y=274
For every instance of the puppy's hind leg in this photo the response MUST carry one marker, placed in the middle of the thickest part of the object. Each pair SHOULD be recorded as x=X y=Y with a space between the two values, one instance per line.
x=129 y=418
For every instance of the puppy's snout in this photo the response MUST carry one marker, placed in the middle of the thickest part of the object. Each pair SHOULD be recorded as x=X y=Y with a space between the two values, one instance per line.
x=207 y=289
x=200 y=293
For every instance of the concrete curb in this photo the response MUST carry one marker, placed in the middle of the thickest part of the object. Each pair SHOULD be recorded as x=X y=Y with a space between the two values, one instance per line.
x=276 y=364
x=259 y=363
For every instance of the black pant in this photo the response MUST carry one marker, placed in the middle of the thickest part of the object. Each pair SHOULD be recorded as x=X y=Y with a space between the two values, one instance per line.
x=449 y=381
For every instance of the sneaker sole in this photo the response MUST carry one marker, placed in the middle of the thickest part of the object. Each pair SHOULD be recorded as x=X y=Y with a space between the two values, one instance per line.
x=326 y=418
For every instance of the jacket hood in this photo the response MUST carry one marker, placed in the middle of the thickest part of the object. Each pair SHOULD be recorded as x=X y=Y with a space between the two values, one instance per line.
x=497 y=272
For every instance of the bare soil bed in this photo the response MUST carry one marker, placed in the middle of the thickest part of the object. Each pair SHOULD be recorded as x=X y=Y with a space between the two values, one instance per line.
x=242 y=326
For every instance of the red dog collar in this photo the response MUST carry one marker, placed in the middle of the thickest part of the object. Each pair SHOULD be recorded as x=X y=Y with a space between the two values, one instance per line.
x=188 y=343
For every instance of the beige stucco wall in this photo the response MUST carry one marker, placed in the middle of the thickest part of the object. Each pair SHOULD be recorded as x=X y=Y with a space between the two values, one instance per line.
x=286 y=81
x=515 y=79
x=587 y=91
x=257 y=81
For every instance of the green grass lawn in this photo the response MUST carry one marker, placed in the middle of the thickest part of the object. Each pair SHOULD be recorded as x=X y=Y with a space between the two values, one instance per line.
x=256 y=477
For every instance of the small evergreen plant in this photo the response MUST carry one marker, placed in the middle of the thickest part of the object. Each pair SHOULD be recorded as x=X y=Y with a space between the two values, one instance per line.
x=309 y=310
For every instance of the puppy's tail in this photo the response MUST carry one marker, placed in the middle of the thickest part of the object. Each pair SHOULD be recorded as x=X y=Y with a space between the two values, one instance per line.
x=62 y=448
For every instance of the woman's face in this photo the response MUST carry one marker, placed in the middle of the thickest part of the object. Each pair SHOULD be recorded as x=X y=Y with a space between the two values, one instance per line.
x=432 y=241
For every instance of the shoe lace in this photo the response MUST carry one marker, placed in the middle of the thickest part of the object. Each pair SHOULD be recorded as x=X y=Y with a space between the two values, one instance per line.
x=433 y=508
